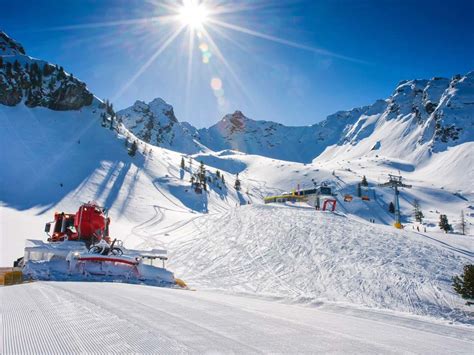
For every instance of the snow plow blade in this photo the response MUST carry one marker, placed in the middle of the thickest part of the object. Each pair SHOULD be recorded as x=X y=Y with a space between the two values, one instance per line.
x=72 y=261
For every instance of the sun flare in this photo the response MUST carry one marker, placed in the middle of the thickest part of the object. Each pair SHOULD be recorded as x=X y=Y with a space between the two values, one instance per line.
x=193 y=14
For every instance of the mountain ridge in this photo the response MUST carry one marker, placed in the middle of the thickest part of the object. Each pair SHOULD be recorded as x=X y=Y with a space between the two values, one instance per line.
x=436 y=113
x=420 y=118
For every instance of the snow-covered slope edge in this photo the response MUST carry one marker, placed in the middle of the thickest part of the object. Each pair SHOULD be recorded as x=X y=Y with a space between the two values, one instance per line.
x=306 y=256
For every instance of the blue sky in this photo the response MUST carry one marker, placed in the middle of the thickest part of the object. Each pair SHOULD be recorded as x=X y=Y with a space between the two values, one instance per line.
x=342 y=53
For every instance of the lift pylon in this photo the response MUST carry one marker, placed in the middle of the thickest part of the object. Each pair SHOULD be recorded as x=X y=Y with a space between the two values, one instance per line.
x=395 y=182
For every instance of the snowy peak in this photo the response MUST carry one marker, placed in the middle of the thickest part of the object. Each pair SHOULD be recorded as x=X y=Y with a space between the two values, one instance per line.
x=156 y=123
x=235 y=121
x=9 y=46
x=421 y=117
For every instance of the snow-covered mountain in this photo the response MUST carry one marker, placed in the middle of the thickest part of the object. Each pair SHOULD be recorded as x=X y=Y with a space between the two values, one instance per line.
x=36 y=82
x=420 y=118
x=155 y=123
x=238 y=132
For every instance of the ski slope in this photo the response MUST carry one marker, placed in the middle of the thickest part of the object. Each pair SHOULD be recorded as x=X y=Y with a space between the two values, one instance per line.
x=295 y=253
x=49 y=318
x=289 y=252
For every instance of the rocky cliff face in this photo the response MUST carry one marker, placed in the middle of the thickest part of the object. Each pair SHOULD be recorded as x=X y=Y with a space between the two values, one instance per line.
x=36 y=82
x=9 y=46
x=155 y=123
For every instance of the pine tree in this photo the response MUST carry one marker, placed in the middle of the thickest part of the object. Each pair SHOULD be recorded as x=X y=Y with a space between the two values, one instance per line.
x=391 y=207
x=237 y=184
x=218 y=174
x=364 y=181
x=48 y=69
x=112 y=118
x=464 y=284
x=202 y=176
x=417 y=213
x=104 y=121
x=16 y=65
x=444 y=223
x=133 y=149
x=223 y=179
x=463 y=224
x=182 y=163
x=9 y=69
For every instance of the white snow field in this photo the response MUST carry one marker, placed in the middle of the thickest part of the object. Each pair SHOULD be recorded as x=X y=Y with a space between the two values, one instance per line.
x=65 y=318
x=324 y=282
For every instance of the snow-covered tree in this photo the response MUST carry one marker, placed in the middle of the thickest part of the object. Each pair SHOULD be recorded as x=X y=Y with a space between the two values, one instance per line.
x=463 y=224
x=444 y=223
x=417 y=213
x=237 y=184
x=133 y=149
x=202 y=176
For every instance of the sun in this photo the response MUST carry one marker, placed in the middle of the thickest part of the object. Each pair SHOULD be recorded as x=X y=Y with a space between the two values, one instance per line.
x=193 y=13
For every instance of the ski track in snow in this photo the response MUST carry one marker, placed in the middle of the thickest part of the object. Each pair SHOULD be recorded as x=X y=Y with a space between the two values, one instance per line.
x=306 y=256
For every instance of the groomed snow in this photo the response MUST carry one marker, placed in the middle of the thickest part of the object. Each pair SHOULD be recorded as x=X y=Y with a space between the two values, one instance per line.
x=60 y=318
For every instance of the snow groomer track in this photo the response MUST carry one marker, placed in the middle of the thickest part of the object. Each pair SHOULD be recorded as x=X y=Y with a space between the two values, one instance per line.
x=70 y=317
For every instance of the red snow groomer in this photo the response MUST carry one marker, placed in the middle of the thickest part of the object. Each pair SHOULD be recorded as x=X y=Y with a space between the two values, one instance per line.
x=80 y=249
x=89 y=224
